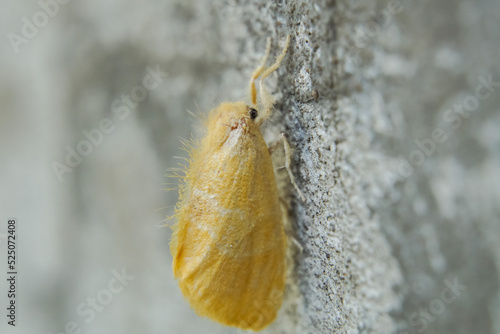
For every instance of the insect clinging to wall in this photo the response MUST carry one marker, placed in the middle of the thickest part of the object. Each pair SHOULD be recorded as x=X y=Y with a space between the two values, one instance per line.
x=229 y=243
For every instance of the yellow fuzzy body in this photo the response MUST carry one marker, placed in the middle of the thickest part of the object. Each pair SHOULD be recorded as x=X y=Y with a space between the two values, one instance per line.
x=229 y=242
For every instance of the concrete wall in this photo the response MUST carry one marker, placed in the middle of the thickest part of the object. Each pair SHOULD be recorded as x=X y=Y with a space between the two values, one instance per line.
x=395 y=127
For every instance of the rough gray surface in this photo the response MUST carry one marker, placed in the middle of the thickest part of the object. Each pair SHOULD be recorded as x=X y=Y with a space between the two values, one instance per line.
x=385 y=230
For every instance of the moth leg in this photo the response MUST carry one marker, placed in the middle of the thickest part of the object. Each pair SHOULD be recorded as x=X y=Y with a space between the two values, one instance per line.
x=288 y=156
x=297 y=244
x=265 y=97
x=257 y=72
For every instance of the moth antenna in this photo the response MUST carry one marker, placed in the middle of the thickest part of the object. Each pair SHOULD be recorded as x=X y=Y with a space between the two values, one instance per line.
x=266 y=98
x=257 y=72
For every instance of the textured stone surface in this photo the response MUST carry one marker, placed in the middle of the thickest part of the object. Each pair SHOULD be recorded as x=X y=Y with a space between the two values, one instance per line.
x=385 y=230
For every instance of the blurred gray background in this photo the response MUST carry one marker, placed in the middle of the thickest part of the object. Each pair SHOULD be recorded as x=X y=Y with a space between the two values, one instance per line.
x=392 y=108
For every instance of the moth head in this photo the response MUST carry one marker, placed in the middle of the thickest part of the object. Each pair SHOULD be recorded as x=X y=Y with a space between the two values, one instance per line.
x=234 y=115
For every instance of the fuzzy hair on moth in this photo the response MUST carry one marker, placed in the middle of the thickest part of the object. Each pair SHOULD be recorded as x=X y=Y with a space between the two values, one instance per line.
x=229 y=243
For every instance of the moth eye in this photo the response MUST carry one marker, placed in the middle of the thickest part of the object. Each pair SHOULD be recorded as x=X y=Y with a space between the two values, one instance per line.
x=253 y=113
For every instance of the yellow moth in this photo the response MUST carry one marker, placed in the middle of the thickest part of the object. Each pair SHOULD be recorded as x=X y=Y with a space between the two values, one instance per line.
x=229 y=243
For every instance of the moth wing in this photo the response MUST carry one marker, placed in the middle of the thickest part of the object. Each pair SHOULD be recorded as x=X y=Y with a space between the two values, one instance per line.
x=229 y=245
